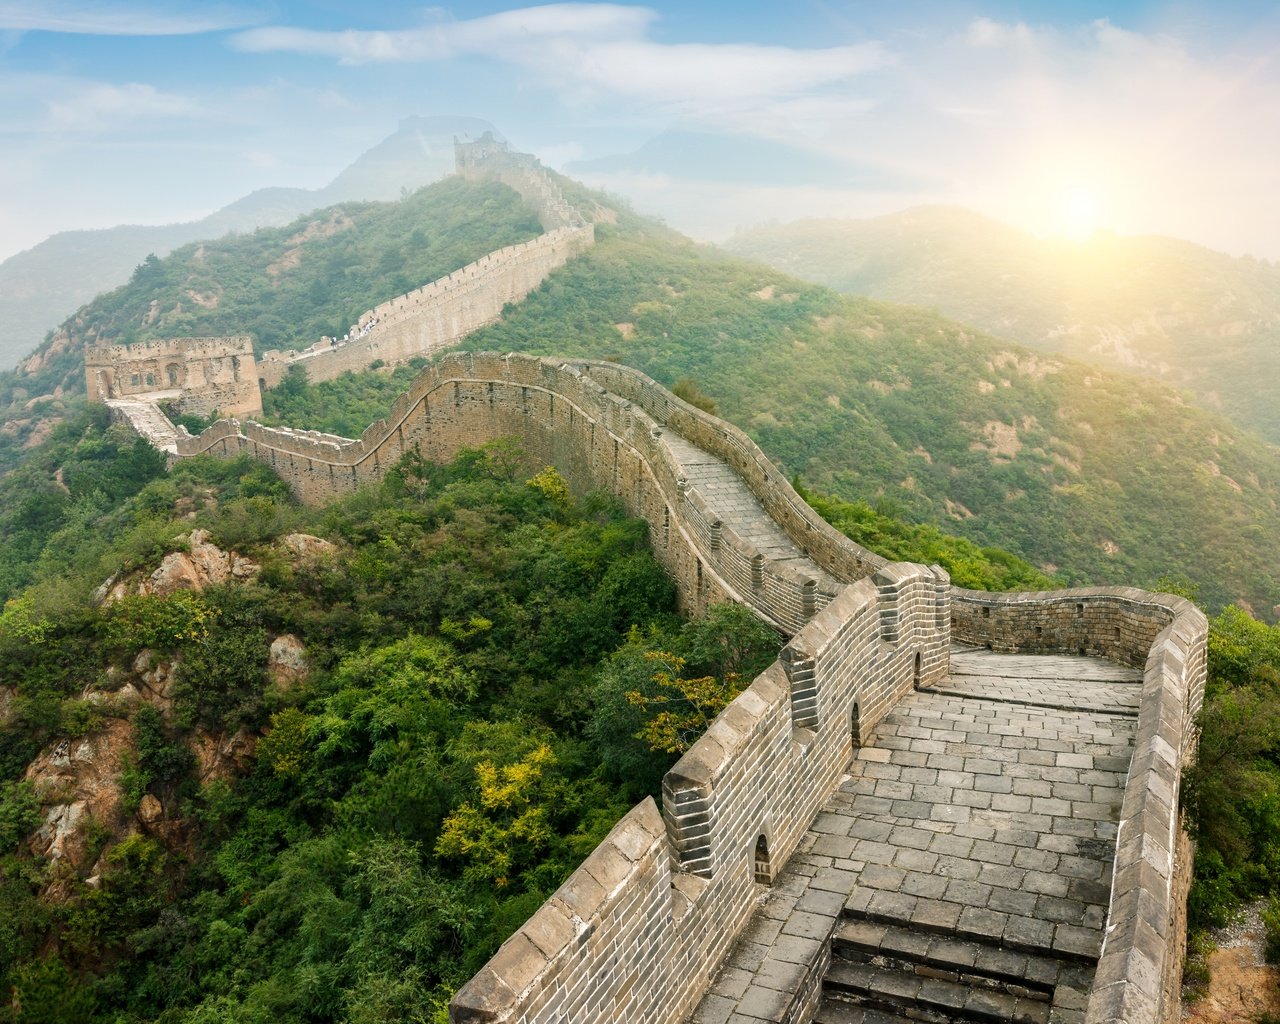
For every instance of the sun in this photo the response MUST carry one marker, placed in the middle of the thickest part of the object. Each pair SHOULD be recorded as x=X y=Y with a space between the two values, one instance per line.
x=1079 y=213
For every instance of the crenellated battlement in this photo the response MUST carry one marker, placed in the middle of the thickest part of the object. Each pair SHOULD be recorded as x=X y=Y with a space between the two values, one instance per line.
x=200 y=375
x=640 y=929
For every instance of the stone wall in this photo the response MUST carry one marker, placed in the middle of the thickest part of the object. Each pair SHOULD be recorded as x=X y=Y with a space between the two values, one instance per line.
x=487 y=159
x=200 y=375
x=443 y=312
x=636 y=933
x=599 y=440
x=1141 y=961
x=438 y=315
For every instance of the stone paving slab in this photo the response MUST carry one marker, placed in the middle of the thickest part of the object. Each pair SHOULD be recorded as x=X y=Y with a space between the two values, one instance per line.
x=963 y=815
x=729 y=498
x=1045 y=681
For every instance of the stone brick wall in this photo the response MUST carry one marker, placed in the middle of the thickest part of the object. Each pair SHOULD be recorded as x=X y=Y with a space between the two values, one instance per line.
x=443 y=312
x=1141 y=962
x=599 y=440
x=211 y=374
x=827 y=546
x=439 y=314
x=636 y=933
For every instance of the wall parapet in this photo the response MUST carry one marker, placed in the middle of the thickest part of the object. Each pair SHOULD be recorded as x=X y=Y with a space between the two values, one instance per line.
x=846 y=560
x=637 y=931
x=1145 y=939
x=671 y=888
x=468 y=398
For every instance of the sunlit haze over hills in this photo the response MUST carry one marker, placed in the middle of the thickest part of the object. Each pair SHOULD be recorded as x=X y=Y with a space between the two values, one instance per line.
x=1062 y=119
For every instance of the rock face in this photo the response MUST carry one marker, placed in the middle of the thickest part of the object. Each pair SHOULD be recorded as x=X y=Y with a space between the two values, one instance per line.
x=155 y=680
x=306 y=547
x=78 y=781
x=222 y=756
x=204 y=565
x=288 y=662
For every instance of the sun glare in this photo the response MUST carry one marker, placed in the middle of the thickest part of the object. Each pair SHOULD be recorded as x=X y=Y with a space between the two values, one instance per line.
x=1078 y=213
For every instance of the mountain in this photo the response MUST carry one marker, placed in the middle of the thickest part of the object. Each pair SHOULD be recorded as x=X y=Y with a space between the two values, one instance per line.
x=1159 y=307
x=43 y=285
x=286 y=286
x=1095 y=477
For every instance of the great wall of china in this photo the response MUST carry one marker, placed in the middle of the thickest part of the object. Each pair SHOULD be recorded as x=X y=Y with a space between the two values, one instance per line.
x=937 y=803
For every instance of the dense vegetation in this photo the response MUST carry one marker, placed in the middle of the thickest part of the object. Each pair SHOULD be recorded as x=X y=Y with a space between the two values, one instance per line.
x=411 y=803
x=1096 y=478
x=1156 y=306
x=1232 y=793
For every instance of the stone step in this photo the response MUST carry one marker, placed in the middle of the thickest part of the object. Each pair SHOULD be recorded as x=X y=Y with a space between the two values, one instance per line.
x=834 y=1010
x=949 y=958
x=993 y=928
x=930 y=999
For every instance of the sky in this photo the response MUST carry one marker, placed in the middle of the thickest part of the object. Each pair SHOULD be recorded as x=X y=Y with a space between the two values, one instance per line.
x=1061 y=118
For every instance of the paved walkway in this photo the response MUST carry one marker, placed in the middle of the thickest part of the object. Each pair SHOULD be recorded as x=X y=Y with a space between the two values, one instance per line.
x=729 y=498
x=962 y=870
x=147 y=419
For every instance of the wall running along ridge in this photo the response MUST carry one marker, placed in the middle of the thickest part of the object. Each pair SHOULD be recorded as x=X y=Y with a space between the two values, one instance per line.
x=438 y=315
x=444 y=312
x=565 y=417
x=637 y=932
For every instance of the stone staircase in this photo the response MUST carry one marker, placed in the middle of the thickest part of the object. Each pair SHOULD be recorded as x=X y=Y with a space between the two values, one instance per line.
x=885 y=972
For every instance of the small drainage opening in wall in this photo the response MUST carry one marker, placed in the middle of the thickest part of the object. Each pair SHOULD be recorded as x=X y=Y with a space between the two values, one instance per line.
x=760 y=862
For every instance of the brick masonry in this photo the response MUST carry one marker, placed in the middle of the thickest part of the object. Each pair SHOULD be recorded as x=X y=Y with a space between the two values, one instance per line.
x=443 y=312
x=200 y=375
x=639 y=930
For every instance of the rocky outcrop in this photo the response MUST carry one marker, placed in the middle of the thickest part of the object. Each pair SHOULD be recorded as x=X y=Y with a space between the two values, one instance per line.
x=288 y=663
x=202 y=565
x=78 y=783
x=221 y=756
x=307 y=548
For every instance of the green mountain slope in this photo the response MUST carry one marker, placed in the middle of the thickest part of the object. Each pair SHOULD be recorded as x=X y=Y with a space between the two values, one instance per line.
x=285 y=286
x=1094 y=476
x=43 y=285
x=1159 y=307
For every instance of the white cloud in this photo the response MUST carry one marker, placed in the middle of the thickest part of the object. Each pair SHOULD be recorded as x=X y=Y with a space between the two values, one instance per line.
x=102 y=105
x=596 y=51
x=505 y=35
x=137 y=19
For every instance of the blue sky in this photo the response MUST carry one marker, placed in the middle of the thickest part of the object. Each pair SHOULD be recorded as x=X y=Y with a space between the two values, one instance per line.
x=1063 y=117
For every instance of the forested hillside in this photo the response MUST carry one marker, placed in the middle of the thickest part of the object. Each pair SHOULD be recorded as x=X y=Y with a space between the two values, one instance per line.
x=1095 y=477
x=1158 y=307
x=46 y=283
x=346 y=833
x=286 y=287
